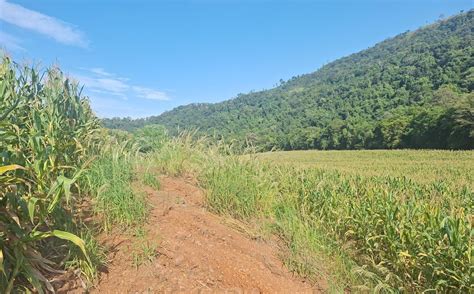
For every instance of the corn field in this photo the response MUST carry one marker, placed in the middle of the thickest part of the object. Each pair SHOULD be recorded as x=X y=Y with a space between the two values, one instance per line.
x=402 y=235
x=47 y=135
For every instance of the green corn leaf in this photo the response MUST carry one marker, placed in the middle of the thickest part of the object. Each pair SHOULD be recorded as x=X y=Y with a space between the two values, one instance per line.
x=65 y=184
x=67 y=187
x=31 y=208
x=72 y=238
x=54 y=191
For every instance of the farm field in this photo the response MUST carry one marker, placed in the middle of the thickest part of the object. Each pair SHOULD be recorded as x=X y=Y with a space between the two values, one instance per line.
x=424 y=166
x=395 y=221
x=116 y=175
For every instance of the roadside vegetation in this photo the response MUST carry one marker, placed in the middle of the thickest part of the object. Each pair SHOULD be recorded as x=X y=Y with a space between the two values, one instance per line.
x=108 y=181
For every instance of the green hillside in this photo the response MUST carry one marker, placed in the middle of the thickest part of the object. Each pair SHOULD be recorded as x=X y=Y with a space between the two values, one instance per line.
x=410 y=91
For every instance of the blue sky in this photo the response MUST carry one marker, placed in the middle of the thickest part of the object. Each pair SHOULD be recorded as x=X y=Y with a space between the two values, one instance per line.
x=140 y=58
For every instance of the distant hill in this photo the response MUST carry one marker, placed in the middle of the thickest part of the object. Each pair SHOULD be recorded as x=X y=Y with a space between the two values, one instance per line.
x=413 y=90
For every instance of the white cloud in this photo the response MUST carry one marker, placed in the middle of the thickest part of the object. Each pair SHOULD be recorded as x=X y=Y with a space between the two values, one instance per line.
x=9 y=42
x=103 y=85
x=100 y=71
x=113 y=85
x=108 y=93
x=100 y=81
x=148 y=93
x=49 y=26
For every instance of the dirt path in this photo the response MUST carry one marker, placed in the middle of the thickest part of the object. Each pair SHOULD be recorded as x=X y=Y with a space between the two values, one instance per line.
x=197 y=253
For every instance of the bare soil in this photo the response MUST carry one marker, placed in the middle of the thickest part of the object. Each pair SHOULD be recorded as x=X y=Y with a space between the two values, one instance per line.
x=196 y=252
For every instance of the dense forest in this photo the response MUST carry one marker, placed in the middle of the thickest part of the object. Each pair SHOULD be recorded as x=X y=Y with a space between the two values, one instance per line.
x=411 y=91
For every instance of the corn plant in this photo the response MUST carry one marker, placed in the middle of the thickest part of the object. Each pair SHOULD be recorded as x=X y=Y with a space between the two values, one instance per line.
x=47 y=133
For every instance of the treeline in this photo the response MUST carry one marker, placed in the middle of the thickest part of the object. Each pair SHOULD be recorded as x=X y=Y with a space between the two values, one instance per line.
x=410 y=91
x=444 y=125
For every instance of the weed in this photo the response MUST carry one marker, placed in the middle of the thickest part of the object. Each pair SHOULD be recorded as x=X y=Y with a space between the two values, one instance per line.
x=151 y=180
x=144 y=250
x=108 y=181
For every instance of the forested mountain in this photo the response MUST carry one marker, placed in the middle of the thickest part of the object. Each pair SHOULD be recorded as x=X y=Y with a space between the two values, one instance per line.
x=411 y=91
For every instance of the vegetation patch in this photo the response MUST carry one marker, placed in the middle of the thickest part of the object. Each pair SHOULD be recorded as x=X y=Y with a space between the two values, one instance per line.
x=143 y=250
x=150 y=179
x=108 y=181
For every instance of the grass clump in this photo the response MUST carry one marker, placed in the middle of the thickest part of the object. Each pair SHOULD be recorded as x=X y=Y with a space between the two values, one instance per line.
x=96 y=254
x=179 y=155
x=108 y=181
x=240 y=188
x=150 y=179
x=144 y=250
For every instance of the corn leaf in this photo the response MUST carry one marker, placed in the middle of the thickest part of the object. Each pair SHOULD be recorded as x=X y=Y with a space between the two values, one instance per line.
x=2 y=268
x=72 y=238
x=5 y=168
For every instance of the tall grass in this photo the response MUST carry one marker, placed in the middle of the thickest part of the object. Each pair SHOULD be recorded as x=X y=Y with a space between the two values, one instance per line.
x=179 y=155
x=377 y=233
x=238 y=187
x=109 y=182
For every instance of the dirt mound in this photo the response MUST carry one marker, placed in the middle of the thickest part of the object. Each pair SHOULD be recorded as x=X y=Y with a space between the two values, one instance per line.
x=196 y=253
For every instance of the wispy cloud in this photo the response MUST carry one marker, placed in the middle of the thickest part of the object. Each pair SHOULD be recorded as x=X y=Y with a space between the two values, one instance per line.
x=49 y=26
x=10 y=43
x=103 y=85
x=100 y=81
x=100 y=71
x=148 y=93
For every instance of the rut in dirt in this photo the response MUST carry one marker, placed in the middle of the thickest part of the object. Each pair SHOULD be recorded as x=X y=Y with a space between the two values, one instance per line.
x=197 y=252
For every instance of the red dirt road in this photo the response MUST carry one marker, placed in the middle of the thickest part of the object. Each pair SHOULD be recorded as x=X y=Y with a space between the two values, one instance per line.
x=197 y=253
